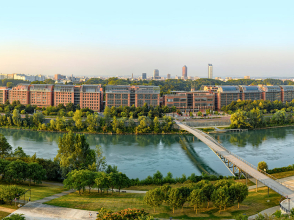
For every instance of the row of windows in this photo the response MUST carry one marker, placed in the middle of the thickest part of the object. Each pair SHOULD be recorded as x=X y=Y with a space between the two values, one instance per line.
x=147 y=96
x=118 y=96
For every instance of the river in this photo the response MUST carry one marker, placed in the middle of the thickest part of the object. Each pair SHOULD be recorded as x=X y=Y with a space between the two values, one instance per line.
x=141 y=155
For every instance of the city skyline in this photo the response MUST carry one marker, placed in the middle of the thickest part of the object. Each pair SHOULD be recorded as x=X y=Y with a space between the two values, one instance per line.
x=240 y=39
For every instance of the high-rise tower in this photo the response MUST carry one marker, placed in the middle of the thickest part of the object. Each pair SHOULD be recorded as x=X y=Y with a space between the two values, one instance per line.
x=144 y=76
x=210 y=71
x=184 y=72
x=155 y=73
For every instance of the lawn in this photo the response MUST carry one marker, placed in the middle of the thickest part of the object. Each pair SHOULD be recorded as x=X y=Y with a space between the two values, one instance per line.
x=39 y=191
x=254 y=203
x=283 y=174
x=3 y=214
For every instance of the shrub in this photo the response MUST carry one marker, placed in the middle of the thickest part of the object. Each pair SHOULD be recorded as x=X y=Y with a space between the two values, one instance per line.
x=105 y=214
x=15 y=217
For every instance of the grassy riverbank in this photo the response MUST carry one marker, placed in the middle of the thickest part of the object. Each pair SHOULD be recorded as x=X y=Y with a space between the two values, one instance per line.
x=254 y=203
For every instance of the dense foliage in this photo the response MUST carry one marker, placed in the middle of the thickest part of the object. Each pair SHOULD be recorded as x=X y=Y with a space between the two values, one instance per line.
x=136 y=214
x=94 y=122
x=256 y=119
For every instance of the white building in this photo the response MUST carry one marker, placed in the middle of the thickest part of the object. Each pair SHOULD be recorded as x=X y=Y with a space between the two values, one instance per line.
x=210 y=71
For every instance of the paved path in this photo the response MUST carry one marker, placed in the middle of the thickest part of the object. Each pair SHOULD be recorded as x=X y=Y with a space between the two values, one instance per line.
x=239 y=162
x=37 y=210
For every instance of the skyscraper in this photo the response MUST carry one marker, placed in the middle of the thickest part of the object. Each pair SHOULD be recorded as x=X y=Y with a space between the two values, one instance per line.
x=210 y=71
x=155 y=73
x=184 y=72
x=144 y=76
x=168 y=76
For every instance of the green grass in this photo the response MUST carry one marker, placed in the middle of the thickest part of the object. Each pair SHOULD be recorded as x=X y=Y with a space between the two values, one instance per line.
x=3 y=214
x=253 y=204
x=39 y=191
x=283 y=174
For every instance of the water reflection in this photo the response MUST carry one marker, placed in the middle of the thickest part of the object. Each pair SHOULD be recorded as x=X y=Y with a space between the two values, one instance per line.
x=254 y=138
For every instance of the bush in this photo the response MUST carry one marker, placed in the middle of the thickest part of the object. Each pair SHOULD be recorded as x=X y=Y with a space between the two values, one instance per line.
x=15 y=217
x=105 y=214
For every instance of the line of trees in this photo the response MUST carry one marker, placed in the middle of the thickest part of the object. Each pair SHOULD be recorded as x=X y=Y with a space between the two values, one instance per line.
x=92 y=123
x=255 y=119
x=223 y=193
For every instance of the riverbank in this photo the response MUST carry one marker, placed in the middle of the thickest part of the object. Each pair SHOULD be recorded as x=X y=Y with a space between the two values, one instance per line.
x=84 y=132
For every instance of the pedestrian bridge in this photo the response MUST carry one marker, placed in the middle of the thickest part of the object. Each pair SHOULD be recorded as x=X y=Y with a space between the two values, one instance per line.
x=239 y=166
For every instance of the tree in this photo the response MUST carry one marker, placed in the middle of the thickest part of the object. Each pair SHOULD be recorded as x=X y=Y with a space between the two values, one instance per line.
x=241 y=192
x=154 y=198
x=74 y=152
x=197 y=198
x=78 y=119
x=102 y=180
x=38 y=118
x=199 y=113
x=255 y=118
x=10 y=192
x=16 y=117
x=238 y=120
x=221 y=198
x=174 y=198
x=100 y=159
x=208 y=189
x=156 y=128
x=16 y=171
x=122 y=181
x=76 y=179
x=19 y=153
x=36 y=173
x=262 y=166
x=5 y=147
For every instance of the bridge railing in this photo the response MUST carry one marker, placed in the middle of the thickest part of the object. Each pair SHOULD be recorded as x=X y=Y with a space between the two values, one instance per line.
x=249 y=164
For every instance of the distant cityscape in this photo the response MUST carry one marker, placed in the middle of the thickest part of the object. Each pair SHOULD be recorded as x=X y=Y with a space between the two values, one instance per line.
x=60 y=78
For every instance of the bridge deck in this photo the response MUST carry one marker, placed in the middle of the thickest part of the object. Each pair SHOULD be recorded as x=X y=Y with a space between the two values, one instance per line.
x=239 y=162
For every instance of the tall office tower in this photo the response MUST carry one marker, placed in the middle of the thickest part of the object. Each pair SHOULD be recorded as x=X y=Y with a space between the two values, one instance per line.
x=168 y=76
x=155 y=73
x=144 y=76
x=210 y=71
x=184 y=72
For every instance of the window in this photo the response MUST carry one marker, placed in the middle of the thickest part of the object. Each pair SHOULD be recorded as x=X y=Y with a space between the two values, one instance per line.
x=118 y=96
x=117 y=102
x=176 y=99
x=140 y=96
x=125 y=96
x=197 y=99
x=154 y=96
x=140 y=102
x=183 y=100
x=154 y=102
x=124 y=102
x=176 y=104
x=110 y=96
x=170 y=100
x=147 y=96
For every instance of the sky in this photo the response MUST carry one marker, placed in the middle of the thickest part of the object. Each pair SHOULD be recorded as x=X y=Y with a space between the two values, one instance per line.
x=118 y=38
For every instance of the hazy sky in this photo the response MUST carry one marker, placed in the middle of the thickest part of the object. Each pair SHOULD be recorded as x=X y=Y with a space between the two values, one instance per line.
x=110 y=38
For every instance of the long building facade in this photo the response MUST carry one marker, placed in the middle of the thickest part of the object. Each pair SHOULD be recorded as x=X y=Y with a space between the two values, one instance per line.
x=125 y=95
x=92 y=96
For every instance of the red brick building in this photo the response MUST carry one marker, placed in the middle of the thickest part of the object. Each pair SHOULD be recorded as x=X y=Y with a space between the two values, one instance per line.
x=226 y=95
x=3 y=95
x=192 y=101
x=271 y=93
x=20 y=93
x=41 y=95
x=64 y=94
x=125 y=95
x=91 y=96
x=287 y=93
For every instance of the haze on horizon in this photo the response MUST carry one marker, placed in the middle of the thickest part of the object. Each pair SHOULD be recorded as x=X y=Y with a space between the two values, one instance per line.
x=118 y=38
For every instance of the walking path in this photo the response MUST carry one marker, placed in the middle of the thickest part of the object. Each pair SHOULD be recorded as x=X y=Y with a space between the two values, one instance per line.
x=37 y=210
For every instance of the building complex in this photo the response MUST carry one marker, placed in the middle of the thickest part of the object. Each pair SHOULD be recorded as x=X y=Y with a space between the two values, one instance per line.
x=92 y=96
